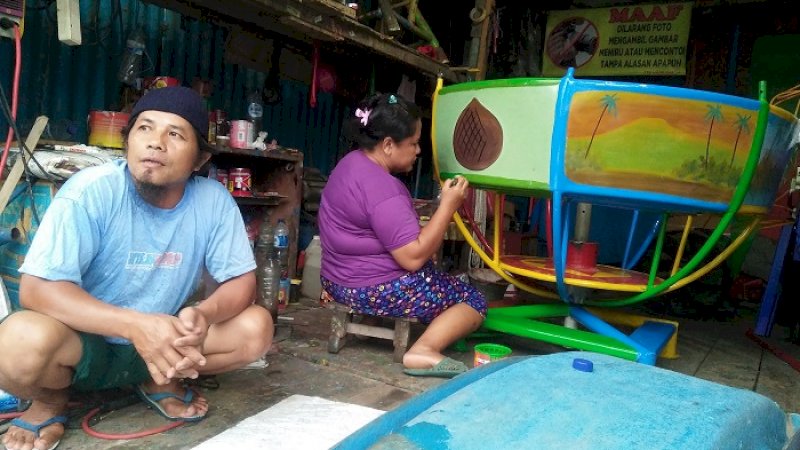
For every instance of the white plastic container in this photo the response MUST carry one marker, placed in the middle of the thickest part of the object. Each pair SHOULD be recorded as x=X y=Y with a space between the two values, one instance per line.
x=311 y=287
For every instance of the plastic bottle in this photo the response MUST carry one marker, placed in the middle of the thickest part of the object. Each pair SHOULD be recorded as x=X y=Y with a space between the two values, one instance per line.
x=255 y=110
x=282 y=255
x=311 y=286
x=268 y=271
x=131 y=65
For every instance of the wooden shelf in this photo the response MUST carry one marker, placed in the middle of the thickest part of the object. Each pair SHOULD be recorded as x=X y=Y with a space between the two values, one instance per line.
x=332 y=7
x=273 y=200
x=309 y=21
x=276 y=176
x=282 y=153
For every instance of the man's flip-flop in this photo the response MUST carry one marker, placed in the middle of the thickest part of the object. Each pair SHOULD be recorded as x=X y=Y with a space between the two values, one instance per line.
x=36 y=428
x=152 y=401
x=446 y=368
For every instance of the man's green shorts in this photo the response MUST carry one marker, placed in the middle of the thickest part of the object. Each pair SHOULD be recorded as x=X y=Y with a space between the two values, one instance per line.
x=104 y=365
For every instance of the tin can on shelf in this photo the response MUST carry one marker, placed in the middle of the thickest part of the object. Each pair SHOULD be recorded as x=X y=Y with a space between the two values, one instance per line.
x=105 y=128
x=222 y=177
x=160 y=82
x=241 y=134
x=241 y=182
x=221 y=118
x=212 y=128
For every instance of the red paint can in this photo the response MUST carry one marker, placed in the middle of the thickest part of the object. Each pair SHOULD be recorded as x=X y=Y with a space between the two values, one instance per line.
x=242 y=184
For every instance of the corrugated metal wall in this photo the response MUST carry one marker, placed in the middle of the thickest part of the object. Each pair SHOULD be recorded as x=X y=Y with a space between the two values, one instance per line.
x=65 y=82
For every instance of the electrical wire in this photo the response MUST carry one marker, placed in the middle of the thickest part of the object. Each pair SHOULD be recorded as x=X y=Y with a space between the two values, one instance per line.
x=103 y=33
x=14 y=98
x=23 y=145
x=10 y=114
x=118 y=436
x=108 y=436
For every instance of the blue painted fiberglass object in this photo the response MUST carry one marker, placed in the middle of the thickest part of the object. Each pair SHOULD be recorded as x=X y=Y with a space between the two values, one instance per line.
x=543 y=402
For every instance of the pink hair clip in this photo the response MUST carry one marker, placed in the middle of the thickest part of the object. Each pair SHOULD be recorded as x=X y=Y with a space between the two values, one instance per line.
x=363 y=114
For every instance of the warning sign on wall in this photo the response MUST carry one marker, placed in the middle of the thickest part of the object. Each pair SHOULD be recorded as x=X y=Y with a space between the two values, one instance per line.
x=629 y=40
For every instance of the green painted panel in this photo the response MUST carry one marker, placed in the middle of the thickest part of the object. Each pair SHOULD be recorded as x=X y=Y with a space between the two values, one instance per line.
x=523 y=116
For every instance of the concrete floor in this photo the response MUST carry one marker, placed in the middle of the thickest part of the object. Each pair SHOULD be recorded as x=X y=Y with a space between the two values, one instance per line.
x=363 y=373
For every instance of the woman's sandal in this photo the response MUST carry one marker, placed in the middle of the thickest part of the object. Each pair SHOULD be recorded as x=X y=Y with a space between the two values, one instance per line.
x=446 y=368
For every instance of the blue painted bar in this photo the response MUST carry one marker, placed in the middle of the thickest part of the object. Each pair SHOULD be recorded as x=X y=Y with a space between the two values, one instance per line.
x=769 y=302
x=645 y=244
x=594 y=323
x=628 y=244
x=653 y=336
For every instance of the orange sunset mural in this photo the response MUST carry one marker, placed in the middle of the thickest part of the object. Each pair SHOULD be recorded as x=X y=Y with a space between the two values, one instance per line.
x=648 y=142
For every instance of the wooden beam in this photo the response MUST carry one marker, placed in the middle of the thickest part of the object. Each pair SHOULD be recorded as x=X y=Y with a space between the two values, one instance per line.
x=310 y=29
x=19 y=166
x=389 y=20
x=332 y=6
x=484 y=9
x=302 y=20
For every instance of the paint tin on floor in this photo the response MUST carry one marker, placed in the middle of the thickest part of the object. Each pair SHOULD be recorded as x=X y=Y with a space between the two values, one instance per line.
x=241 y=182
x=486 y=353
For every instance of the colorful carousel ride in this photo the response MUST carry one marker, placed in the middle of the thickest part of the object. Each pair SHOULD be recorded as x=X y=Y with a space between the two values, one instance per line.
x=650 y=155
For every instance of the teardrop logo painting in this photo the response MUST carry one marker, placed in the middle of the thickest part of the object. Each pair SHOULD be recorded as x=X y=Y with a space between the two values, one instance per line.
x=477 y=137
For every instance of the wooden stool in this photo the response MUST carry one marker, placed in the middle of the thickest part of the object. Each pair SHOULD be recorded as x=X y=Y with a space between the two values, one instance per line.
x=342 y=325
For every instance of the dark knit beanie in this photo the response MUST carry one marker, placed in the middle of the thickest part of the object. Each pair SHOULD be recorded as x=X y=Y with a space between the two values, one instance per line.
x=178 y=100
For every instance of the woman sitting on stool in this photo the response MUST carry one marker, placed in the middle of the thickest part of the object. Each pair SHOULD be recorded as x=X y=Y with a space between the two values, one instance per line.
x=375 y=257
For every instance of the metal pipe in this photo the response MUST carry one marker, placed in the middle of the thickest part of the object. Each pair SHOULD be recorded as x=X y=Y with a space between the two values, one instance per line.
x=583 y=219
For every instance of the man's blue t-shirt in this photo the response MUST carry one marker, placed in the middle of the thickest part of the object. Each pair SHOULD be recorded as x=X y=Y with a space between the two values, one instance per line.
x=100 y=234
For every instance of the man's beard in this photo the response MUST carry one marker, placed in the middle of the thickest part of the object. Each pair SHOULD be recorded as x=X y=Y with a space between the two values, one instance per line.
x=150 y=192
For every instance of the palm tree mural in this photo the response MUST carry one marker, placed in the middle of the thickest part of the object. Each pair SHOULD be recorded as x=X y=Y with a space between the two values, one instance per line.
x=609 y=103
x=714 y=113
x=743 y=126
